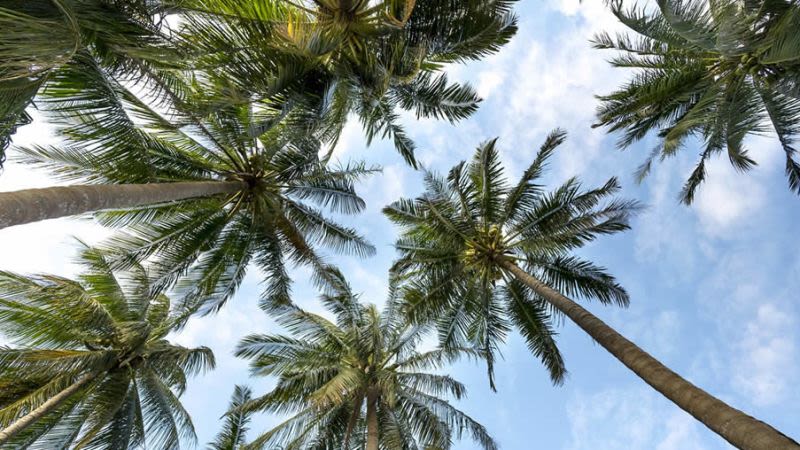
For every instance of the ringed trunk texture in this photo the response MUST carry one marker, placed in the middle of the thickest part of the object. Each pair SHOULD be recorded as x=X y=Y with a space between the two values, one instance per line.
x=32 y=205
x=372 y=421
x=52 y=403
x=742 y=431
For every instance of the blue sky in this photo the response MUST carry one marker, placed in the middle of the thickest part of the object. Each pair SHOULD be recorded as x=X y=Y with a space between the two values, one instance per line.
x=713 y=286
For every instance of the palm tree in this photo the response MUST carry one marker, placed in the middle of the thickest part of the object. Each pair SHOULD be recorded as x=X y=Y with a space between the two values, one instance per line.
x=721 y=70
x=481 y=256
x=233 y=433
x=358 y=382
x=338 y=57
x=91 y=364
x=206 y=198
x=40 y=37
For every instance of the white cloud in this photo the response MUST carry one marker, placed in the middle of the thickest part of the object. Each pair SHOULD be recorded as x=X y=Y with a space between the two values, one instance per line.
x=370 y=284
x=630 y=419
x=488 y=81
x=595 y=14
x=664 y=232
x=548 y=84
x=350 y=141
x=658 y=332
x=383 y=188
x=750 y=298
x=46 y=246
x=764 y=367
x=682 y=434
x=597 y=420
x=728 y=199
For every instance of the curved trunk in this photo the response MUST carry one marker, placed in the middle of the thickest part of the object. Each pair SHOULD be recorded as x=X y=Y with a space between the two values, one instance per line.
x=372 y=421
x=52 y=403
x=736 y=427
x=32 y=205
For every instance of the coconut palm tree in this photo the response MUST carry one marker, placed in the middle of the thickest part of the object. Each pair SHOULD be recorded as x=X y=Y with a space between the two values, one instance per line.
x=91 y=363
x=205 y=199
x=719 y=70
x=343 y=56
x=356 y=382
x=234 y=430
x=481 y=256
x=40 y=37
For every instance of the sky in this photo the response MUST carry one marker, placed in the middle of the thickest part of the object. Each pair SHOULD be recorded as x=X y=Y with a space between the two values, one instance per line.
x=713 y=286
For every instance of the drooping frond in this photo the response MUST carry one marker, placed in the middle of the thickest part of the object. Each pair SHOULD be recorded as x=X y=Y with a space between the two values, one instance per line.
x=100 y=342
x=42 y=39
x=720 y=71
x=533 y=321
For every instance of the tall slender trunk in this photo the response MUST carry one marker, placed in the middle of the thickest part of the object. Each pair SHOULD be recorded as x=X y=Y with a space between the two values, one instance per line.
x=31 y=205
x=372 y=420
x=52 y=403
x=736 y=427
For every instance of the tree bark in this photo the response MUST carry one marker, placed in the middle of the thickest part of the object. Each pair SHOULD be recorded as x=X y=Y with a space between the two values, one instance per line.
x=742 y=431
x=372 y=421
x=52 y=403
x=31 y=205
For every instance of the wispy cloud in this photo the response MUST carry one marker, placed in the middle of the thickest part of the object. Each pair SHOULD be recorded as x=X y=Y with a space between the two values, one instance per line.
x=728 y=200
x=764 y=368
x=630 y=419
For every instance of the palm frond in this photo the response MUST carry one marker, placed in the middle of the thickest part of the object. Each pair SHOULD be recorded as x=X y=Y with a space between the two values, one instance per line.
x=233 y=434
x=699 y=70
x=326 y=372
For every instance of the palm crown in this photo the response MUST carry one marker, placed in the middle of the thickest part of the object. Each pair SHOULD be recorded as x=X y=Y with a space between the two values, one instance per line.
x=361 y=372
x=720 y=70
x=271 y=218
x=107 y=330
x=335 y=57
x=456 y=235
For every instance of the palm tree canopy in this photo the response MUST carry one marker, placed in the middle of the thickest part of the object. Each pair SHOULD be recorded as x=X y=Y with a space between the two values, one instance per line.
x=340 y=56
x=455 y=234
x=720 y=70
x=234 y=430
x=41 y=36
x=115 y=136
x=106 y=323
x=328 y=369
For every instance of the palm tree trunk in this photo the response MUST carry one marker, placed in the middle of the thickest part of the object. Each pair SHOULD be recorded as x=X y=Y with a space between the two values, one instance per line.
x=52 y=403
x=372 y=421
x=31 y=205
x=742 y=431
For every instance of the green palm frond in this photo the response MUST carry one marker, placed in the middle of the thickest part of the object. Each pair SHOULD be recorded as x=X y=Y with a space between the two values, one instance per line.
x=719 y=71
x=332 y=376
x=113 y=135
x=43 y=38
x=459 y=231
x=108 y=328
x=533 y=321
x=326 y=59
x=234 y=431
